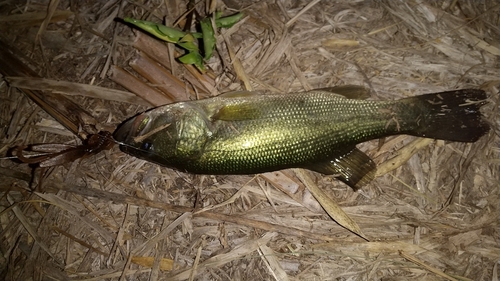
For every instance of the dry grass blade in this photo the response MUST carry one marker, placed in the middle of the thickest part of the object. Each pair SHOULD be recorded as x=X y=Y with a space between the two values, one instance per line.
x=273 y=263
x=292 y=59
x=165 y=264
x=305 y=9
x=154 y=48
x=114 y=275
x=79 y=241
x=120 y=198
x=71 y=89
x=160 y=53
x=480 y=43
x=29 y=228
x=299 y=193
x=70 y=208
x=161 y=78
x=274 y=52
x=36 y=18
x=114 y=217
x=334 y=210
x=195 y=264
x=238 y=252
x=403 y=155
x=339 y=44
x=148 y=245
x=284 y=229
x=66 y=112
x=141 y=89
x=370 y=248
x=495 y=272
x=431 y=269
x=50 y=13
x=238 y=67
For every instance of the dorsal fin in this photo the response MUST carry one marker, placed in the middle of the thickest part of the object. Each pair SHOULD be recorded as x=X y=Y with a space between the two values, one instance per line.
x=348 y=91
x=239 y=94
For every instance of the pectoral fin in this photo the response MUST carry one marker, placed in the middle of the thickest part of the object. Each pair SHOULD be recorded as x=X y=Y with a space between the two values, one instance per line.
x=353 y=167
x=237 y=110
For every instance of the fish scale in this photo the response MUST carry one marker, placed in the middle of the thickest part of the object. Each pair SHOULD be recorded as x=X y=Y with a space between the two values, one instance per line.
x=243 y=133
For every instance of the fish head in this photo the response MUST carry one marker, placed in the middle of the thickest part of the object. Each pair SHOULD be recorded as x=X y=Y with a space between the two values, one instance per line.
x=151 y=135
x=169 y=135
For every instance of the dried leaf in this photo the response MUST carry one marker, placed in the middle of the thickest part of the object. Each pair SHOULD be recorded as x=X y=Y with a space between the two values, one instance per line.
x=335 y=212
x=165 y=264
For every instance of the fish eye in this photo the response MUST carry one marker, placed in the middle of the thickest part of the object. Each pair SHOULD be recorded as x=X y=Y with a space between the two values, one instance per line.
x=147 y=145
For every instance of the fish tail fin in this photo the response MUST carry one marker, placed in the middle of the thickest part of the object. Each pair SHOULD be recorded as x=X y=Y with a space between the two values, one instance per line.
x=452 y=115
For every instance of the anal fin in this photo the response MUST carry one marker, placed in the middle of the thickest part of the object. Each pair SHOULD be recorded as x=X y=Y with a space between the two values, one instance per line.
x=352 y=166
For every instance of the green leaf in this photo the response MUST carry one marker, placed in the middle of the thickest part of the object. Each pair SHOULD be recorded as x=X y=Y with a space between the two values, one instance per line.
x=193 y=58
x=228 y=21
x=197 y=35
x=208 y=37
x=188 y=42
x=160 y=31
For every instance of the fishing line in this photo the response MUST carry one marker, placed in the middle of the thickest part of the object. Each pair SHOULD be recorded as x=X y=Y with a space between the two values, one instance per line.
x=104 y=137
x=151 y=152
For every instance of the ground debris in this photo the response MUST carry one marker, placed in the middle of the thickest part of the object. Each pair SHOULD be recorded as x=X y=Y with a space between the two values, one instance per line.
x=431 y=213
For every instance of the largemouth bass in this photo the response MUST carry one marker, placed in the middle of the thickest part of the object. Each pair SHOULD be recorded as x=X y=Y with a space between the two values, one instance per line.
x=247 y=133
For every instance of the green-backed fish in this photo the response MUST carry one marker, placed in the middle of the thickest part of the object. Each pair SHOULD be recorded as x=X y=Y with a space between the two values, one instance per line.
x=246 y=133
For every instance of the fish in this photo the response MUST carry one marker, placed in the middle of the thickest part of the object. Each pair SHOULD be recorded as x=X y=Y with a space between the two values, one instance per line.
x=249 y=133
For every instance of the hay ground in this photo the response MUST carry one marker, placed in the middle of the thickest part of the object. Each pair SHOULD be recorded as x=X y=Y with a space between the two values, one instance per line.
x=114 y=217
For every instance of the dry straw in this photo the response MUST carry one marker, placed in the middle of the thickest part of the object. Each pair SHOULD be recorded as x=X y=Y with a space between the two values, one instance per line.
x=432 y=213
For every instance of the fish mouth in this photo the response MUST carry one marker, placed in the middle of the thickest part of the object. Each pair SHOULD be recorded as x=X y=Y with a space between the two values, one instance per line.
x=121 y=135
x=127 y=131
